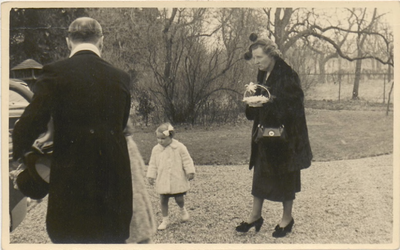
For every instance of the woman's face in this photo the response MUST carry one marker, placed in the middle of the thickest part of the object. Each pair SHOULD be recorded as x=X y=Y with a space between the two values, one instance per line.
x=263 y=61
x=163 y=140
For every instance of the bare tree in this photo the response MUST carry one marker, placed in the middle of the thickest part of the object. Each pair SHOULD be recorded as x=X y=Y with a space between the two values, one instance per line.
x=325 y=51
x=186 y=77
x=189 y=58
x=361 y=37
x=289 y=26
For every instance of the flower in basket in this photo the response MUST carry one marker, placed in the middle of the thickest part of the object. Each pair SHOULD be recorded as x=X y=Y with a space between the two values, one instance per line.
x=255 y=100
x=251 y=87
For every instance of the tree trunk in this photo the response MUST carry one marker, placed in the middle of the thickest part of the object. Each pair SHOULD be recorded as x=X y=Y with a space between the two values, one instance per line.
x=360 y=43
x=322 y=78
x=389 y=75
x=168 y=89
x=391 y=88
x=357 y=80
x=388 y=104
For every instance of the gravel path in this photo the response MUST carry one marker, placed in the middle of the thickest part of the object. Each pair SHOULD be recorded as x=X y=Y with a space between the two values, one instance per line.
x=341 y=202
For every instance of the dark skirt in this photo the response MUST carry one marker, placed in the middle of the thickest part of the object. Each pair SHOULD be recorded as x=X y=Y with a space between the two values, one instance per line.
x=275 y=187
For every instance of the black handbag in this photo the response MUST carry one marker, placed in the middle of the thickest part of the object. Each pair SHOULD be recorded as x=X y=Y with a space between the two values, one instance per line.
x=262 y=132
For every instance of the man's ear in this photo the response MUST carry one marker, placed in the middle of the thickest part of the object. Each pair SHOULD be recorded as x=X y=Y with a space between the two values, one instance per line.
x=100 y=43
x=68 y=43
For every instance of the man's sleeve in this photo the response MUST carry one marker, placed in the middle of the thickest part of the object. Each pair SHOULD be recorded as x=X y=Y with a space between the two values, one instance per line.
x=34 y=120
x=127 y=81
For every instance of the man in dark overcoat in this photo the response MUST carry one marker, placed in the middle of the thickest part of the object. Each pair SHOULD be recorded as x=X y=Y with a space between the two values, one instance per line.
x=90 y=191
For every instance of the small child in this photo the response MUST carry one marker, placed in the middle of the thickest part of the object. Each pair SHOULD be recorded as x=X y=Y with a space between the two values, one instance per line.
x=170 y=168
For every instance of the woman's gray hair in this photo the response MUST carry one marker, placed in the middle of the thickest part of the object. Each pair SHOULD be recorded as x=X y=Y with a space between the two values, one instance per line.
x=267 y=45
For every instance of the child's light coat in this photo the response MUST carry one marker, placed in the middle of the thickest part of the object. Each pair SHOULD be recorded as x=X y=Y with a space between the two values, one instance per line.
x=169 y=166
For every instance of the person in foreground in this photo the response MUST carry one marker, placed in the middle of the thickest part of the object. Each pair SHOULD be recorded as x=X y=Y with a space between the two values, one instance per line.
x=90 y=191
x=143 y=224
x=170 y=169
x=277 y=161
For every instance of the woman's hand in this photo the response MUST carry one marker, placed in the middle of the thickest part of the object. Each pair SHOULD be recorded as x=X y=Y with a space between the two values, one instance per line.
x=190 y=176
x=151 y=180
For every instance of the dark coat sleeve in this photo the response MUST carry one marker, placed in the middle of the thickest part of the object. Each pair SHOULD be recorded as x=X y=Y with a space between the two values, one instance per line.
x=36 y=116
x=251 y=112
x=126 y=83
x=287 y=100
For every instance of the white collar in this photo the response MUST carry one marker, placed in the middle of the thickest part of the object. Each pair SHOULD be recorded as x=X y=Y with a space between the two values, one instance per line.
x=85 y=46
x=174 y=144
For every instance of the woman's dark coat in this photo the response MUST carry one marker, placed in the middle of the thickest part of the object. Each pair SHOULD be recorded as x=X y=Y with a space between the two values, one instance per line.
x=90 y=192
x=293 y=152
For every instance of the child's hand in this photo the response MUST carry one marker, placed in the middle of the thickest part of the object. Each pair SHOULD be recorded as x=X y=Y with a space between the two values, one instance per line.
x=190 y=176
x=151 y=180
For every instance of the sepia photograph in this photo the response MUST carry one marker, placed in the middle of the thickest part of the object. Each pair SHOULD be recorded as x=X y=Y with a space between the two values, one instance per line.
x=200 y=125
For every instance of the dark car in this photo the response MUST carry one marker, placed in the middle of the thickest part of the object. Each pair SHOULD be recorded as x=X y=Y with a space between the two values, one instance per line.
x=19 y=97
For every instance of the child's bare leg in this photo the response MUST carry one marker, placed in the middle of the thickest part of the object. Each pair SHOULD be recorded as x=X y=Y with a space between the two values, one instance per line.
x=180 y=201
x=164 y=205
x=164 y=211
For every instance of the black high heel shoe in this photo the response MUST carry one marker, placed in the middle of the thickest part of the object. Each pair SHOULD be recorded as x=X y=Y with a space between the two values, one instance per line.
x=282 y=231
x=245 y=227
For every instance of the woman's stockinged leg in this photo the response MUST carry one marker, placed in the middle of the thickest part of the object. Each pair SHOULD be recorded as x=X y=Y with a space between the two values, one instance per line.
x=255 y=219
x=257 y=209
x=287 y=213
x=164 y=205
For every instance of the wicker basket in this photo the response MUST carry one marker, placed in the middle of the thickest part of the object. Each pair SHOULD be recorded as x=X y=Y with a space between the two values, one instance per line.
x=256 y=100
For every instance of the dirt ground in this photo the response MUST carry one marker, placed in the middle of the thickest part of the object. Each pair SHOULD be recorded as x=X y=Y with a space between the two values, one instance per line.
x=341 y=202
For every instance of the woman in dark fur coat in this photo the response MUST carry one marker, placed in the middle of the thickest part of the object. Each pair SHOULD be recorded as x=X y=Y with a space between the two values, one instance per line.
x=277 y=161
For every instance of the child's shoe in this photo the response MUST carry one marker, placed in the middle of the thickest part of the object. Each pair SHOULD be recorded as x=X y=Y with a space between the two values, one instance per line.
x=164 y=224
x=185 y=214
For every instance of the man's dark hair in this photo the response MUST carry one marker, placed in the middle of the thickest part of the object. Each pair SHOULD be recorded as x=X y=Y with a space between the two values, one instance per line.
x=85 y=29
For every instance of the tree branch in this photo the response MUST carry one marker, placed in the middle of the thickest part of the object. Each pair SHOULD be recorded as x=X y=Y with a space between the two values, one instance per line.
x=341 y=54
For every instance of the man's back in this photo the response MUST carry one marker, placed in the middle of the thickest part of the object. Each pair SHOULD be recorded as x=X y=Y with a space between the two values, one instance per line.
x=90 y=194
x=90 y=91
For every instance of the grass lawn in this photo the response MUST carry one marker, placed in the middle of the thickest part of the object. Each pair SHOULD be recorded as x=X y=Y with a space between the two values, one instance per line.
x=334 y=135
